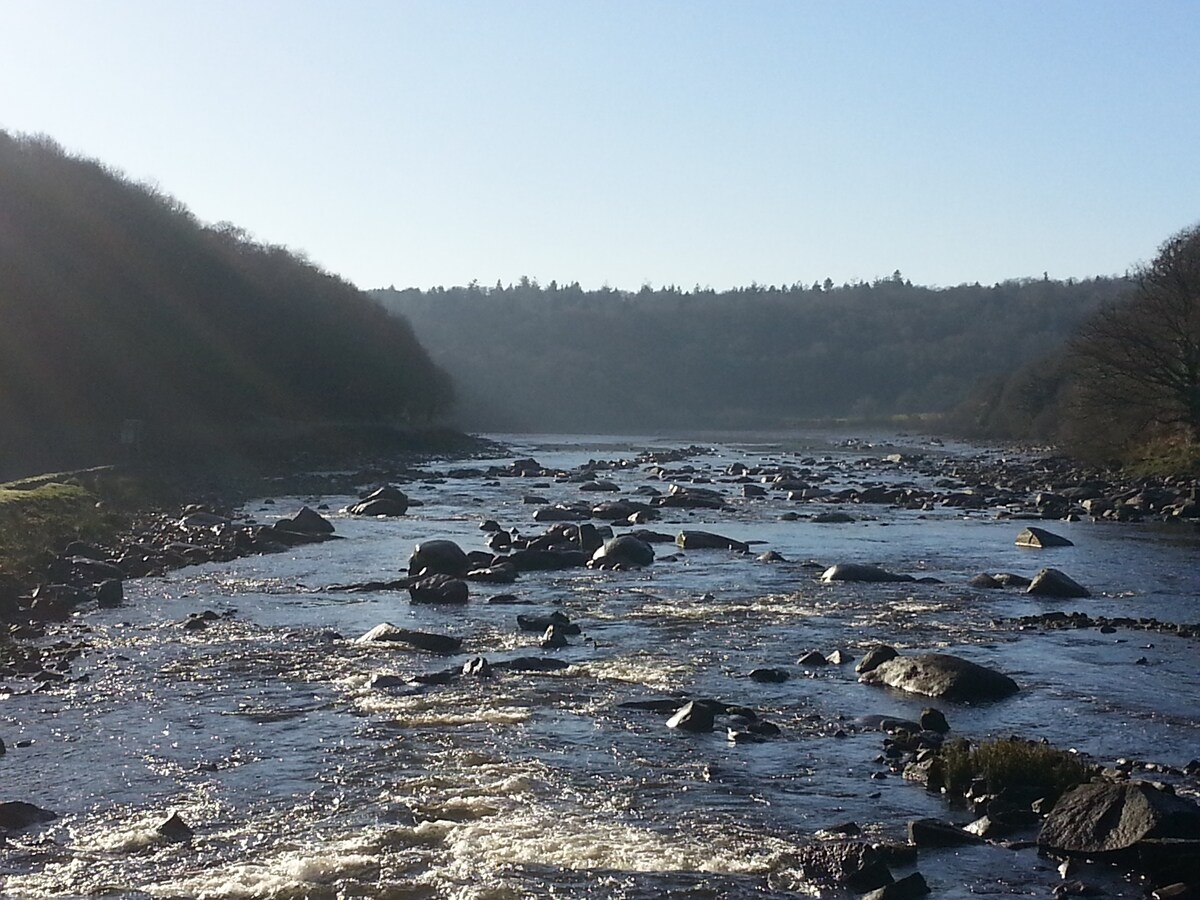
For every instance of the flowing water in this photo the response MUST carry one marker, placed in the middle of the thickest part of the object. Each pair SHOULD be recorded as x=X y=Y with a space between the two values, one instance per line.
x=301 y=779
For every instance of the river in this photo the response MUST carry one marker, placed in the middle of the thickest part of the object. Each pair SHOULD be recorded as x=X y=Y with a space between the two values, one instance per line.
x=301 y=778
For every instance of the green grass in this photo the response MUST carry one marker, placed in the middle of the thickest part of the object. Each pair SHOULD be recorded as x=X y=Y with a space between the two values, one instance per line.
x=1008 y=765
x=1163 y=457
x=39 y=516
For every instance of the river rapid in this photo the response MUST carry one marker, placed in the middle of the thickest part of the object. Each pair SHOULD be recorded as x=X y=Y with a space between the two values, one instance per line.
x=302 y=778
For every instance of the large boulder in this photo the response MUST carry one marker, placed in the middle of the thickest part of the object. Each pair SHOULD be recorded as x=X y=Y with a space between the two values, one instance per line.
x=1039 y=538
x=706 y=540
x=860 y=572
x=625 y=550
x=856 y=865
x=1102 y=817
x=1053 y=583
x=307 y=521
x=440 y=557
x=386 y=501
x=942 y=675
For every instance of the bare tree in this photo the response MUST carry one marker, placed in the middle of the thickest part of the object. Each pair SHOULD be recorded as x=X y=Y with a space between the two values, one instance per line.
x=1137 y=362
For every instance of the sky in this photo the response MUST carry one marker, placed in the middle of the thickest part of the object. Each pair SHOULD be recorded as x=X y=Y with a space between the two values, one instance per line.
x=631 y=142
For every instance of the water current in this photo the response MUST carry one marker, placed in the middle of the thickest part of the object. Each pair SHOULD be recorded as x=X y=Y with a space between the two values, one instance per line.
x=302 y=779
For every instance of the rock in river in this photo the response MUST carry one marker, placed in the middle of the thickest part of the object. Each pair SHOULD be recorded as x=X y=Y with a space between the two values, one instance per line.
x=625 y=550
x=438 y=589
x=386 y=501
x=942 y=675
x=693 y=716
x=440 y=557
x=1053 y=583
x=422 y=640
x=1039 y=538
x=706 y=540
x=860 y=572
x=1102 y=817
x=16 y=815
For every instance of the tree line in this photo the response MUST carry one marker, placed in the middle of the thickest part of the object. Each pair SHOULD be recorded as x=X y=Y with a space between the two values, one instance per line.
x=558 y=357
x=117 y=306
x=1124 y=386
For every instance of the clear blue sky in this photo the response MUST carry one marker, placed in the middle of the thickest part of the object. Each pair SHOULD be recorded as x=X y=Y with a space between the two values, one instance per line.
x=634 y=141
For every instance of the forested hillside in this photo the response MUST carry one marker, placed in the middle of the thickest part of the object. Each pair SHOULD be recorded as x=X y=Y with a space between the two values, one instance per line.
x=1124 y=387
x=554 y=357
x=117 y=305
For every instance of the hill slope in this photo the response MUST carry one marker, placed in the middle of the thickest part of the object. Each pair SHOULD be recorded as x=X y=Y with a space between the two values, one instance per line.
x=116 y=304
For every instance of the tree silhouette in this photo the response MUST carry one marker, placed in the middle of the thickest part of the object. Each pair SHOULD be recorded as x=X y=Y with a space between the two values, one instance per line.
x=1137 y=362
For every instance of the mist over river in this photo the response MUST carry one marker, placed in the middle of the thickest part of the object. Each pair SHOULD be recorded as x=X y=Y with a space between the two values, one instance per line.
x=301 y=777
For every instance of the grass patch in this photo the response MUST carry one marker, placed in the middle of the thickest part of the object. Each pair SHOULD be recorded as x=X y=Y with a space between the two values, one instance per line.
x=1010 y=765
x=1165 y=457
x=39 y=516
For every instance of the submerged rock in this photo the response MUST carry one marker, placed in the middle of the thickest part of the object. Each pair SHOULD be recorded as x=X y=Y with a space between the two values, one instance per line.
x=386 y=632
x=942 y=675
x=860 y=572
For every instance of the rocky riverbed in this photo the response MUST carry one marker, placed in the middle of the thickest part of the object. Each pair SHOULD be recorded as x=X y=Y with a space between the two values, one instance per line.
x=621 y=667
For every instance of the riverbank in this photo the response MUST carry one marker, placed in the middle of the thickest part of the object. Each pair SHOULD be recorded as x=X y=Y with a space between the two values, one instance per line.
x=123 y=516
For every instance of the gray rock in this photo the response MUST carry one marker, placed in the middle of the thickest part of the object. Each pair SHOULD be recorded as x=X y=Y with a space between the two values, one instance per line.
x=1040 y=538
x=850 y=864
x=706 y=540
x=692 y=716
x=880 y=653
x=1103 y=817
x=385 y=632
x=386 y=501
x=625 y=550
x=833 y=518
x=909 y=887
x=439 y=557
x=438 y=589
x=16 y=815
x=936 y=833
x=174 y=829
x=308 y=521
x=1053 y=583
x=110 y=593
x=942 y=675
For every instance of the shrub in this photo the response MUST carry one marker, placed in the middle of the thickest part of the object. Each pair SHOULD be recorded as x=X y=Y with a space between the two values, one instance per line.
x=1009 y=765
